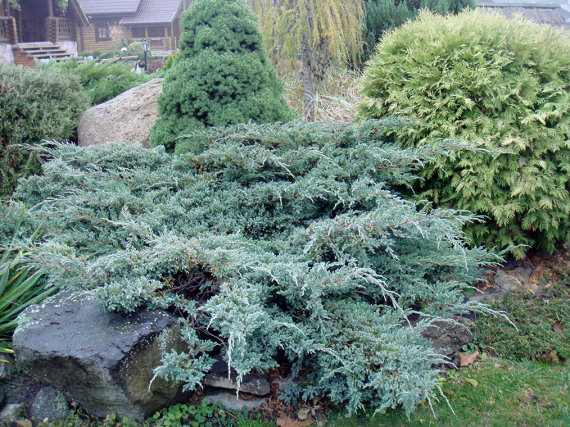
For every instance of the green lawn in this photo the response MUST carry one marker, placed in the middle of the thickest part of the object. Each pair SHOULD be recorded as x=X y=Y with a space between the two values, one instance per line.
x=491 y=392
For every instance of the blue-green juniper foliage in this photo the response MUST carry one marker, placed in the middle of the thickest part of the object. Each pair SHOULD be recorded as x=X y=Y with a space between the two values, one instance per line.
x=272 y=242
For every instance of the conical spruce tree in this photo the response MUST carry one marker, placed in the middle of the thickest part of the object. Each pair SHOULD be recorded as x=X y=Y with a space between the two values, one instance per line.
x=221 y=75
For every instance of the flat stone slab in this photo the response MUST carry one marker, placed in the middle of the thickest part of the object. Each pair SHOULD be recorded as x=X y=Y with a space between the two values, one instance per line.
x=252 y=383
x=102 y=360
x=229 y=400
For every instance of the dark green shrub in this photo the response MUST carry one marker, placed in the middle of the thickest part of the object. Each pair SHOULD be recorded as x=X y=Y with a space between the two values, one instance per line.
x=35 y=104
x=270 y=241
x=221 y=75
x=385 y=15
x=504 y=84
x=105 y=80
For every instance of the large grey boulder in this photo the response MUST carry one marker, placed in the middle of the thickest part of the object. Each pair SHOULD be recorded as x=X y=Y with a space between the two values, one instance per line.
x=127 y=117
x=102 y=360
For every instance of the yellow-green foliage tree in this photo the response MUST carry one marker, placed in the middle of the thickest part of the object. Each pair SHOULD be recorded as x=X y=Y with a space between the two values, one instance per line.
x=503 y=84
x=299 y=29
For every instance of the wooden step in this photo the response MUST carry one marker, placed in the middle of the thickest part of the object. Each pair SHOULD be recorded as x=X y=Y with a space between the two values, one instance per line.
x=27 y=53
x=51 y=49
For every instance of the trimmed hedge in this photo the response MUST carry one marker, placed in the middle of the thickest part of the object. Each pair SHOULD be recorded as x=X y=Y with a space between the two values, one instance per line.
x=503 y=84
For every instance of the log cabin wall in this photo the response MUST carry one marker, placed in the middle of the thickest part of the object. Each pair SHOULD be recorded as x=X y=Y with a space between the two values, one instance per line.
x=98 y=35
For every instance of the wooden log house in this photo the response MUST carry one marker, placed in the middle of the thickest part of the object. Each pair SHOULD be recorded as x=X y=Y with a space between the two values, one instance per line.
x=157 y=21
x=40 y=31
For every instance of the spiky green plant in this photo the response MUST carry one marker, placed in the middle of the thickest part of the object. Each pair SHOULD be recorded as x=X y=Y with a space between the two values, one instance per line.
x=20 y=287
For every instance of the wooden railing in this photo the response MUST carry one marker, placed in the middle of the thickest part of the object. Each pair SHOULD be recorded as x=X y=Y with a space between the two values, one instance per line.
x=60 y=29
x=8 y=30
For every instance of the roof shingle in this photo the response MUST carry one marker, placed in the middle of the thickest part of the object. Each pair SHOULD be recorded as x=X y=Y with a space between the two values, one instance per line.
x=554 y=14
x=109 y=7
x=154 y=12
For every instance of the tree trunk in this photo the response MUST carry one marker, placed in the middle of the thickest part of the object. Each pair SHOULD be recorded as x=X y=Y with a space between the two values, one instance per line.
x=308 y=100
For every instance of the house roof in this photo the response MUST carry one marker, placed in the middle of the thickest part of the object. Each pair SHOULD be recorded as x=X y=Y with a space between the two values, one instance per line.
x=550 y=12
x=74 y=4
x=109 y=7
x=154 y=12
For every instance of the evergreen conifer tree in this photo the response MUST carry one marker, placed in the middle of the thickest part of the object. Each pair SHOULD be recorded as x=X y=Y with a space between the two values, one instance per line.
x=221 y=75
x=384 y=15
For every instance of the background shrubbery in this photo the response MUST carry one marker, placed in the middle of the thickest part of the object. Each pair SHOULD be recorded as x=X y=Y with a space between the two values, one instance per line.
x=221 y=75
x=385 y=15
x=504 y=84
x=104 y=80
x=35 y=104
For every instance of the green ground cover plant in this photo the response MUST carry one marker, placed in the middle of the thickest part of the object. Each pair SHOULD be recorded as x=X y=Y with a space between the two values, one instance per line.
x=203 y=413
x=35 y=104
x=504 y=84
x=104 y=80
x=543 y=329
x=537 y=334
x=285 y=242
x=492 y=392
x=221 y=75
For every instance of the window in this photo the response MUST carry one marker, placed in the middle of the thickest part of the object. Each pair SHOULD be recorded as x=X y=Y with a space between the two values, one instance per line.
x=156 y=32
x=102 y=32
x=138 y=32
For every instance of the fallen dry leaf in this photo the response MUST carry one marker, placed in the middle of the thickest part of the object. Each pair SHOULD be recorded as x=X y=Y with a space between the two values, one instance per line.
x=303 y=414
x=24 y=423
x=551 y=357
x=557 y=326
x=473 y=382
x=466 y=359
x=290 y=422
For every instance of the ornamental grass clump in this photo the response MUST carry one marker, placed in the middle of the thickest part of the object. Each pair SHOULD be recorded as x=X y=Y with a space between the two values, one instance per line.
x=275 y=243
x=503 y=84
x=221 y=75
